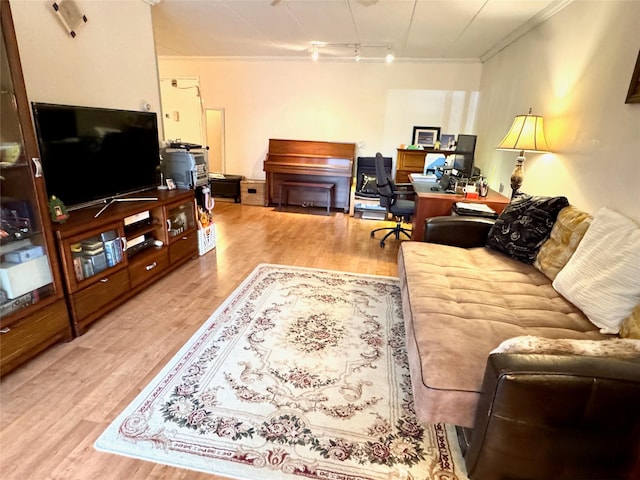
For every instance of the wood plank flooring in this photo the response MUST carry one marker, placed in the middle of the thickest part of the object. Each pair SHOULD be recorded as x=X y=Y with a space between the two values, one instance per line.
x=53 y=408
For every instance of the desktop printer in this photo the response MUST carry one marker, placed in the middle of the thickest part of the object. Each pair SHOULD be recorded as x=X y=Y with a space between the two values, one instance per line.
x=187 y=164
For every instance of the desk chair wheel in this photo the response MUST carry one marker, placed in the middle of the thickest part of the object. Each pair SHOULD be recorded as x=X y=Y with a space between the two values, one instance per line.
x=395 y=231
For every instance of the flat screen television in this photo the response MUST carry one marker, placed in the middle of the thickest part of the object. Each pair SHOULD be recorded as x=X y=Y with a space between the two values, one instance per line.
x=92 y=154
x=464 y=154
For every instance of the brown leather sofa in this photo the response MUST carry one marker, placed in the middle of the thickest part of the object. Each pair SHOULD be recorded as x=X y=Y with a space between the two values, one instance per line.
x=542 y=414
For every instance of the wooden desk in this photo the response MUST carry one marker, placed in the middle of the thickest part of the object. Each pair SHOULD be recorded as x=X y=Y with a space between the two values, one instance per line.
x=432 y=204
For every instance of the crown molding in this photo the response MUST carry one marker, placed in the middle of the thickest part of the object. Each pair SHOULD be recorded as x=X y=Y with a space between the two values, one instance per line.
x=536 y=20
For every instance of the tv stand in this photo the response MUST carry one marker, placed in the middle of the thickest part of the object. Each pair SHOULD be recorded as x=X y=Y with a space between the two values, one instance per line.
x=100 y=272
x=109 y=201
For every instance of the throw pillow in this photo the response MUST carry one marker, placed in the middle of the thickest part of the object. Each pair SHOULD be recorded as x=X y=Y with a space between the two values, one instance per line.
x=602 y=278
x=528 y=344
x=368 y=184
x=630 y=327
x=565 y=236
x=524 y=226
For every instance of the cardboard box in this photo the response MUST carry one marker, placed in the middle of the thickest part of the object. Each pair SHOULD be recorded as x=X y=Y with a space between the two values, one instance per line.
x=16 y=279
x=253 y=192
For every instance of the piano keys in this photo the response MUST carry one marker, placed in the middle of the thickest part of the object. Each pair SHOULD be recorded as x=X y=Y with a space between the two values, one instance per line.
x=312 y=162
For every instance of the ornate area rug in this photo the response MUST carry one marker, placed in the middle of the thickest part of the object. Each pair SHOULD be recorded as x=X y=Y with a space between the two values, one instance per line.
x=301 y=373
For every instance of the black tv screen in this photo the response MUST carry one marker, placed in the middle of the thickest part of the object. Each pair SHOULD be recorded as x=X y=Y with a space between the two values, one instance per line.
x=92 y=154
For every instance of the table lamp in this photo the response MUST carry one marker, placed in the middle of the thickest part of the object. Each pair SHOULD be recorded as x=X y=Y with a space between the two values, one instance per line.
x=525 y=135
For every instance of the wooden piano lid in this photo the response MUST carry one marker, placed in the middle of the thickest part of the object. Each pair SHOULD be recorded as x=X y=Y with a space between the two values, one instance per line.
x=312 y=148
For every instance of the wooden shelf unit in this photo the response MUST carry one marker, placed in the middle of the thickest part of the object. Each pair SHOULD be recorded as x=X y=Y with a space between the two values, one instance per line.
x=412 y=161
x=96 y=279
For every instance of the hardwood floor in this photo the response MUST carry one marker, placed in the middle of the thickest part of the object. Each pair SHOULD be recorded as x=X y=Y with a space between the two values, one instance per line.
x=53 y=408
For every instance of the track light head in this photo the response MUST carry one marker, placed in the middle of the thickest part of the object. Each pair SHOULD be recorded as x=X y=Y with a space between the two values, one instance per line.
x=389 y=58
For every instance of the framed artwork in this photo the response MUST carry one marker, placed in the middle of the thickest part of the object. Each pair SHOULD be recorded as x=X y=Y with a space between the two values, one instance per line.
x=447 y=141
x=633 y=96
x=171 y=185
x=426 y=136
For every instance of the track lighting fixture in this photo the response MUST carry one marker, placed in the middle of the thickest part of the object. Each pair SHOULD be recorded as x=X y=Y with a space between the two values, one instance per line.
x=357 y=50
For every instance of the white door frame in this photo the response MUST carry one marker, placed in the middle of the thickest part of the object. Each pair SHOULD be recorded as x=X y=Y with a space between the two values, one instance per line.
x=215 y=135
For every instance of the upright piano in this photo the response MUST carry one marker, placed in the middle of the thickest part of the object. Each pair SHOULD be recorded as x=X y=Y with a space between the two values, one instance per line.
x=312 y=162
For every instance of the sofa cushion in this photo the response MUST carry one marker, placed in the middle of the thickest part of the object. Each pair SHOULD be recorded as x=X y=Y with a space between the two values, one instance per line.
x=630 y=327
x=567 y=231
x=459 y=304
x=602 y=278
x=524 y=225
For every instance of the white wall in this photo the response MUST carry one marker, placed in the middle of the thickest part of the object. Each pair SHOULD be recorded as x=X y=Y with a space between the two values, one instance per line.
x=372 y=104
x=575 y=70
x=110 y=63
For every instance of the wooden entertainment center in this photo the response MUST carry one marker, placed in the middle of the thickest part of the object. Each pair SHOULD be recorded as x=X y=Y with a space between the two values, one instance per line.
x=43 y=298
x=108 y=259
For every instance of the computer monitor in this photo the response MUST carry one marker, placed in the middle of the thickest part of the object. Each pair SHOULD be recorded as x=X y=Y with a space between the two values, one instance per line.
x=464 y=154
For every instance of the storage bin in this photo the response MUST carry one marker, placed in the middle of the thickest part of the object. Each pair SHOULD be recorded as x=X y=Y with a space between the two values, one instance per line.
x=253 y=192
x=226 y=186
x=16 y=279
x=207 y=238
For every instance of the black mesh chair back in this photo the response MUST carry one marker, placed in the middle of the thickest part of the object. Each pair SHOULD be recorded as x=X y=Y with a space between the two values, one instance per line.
x=391 y=198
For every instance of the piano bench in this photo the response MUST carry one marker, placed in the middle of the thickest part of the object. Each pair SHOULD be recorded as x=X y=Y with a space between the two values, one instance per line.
x=286 y=186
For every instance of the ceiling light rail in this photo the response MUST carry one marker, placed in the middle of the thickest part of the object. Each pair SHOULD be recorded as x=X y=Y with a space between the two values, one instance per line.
x=357 y=48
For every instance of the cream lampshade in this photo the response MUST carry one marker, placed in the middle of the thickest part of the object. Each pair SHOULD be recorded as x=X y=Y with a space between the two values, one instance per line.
x=525 y=135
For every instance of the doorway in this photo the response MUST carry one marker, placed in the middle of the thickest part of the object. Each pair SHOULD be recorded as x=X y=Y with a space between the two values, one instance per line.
x=182 y=109
x=214 y=121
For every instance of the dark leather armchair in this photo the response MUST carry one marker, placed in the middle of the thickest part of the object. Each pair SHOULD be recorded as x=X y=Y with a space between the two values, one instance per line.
x=366 y=177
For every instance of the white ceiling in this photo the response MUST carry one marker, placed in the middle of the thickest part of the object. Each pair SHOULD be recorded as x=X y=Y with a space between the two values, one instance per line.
x=415 y=29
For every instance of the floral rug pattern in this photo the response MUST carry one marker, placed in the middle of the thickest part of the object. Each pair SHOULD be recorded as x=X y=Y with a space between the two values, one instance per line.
x=301 y=373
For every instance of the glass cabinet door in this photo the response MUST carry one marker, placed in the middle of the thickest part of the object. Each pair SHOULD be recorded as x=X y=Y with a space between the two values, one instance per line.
x=181 y=219
x=93 y=255
x=25 y=269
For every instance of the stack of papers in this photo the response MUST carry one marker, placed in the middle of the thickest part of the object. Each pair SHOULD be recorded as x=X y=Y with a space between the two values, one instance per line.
x=475 y=207
x=431 y=177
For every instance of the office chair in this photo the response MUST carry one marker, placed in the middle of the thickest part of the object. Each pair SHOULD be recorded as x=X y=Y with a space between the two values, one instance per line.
x=400 y=208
